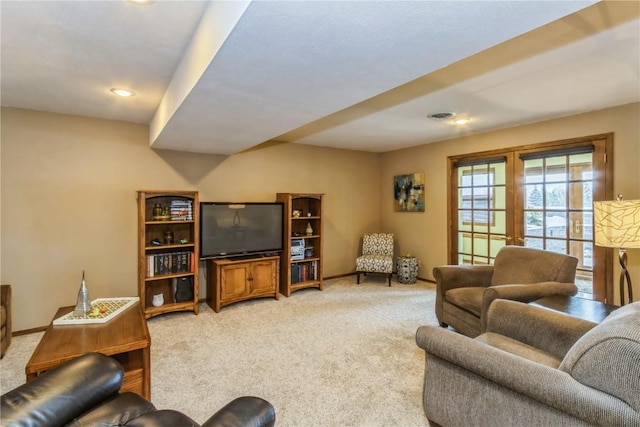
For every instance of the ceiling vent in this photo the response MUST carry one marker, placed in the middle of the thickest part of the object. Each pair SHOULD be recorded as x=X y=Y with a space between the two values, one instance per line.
x=441 y=116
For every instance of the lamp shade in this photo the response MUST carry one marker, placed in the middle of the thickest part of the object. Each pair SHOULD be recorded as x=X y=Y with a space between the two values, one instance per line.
x=617 y=223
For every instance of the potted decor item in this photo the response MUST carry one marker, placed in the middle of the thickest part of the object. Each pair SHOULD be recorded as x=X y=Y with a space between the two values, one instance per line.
x=157 y=211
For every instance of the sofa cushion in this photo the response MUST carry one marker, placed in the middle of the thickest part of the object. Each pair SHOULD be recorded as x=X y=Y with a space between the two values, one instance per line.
x=468 y=298
x=116 y=411
x=607 y=357
x=163 y=418
x=374 y=263
x=520 y=265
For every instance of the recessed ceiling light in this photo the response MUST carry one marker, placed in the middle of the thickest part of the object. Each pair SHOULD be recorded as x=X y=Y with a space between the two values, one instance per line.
x=461 y=121
x=141 y=2
x=122 y=92
x=441 y=116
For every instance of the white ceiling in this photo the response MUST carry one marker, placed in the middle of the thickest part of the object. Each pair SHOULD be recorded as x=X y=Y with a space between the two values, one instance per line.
x=222 y=77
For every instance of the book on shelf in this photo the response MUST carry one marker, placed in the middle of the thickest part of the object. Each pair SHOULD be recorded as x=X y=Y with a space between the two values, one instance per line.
x=170 y=263
x=181 y=210
x=295 y=273
x=304 y=271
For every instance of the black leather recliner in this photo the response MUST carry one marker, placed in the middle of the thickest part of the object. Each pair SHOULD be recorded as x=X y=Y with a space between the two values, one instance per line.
x=86 y=392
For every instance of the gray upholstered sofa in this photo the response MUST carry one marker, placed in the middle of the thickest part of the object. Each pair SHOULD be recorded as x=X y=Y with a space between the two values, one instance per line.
x=535 y=367
x=464 y=292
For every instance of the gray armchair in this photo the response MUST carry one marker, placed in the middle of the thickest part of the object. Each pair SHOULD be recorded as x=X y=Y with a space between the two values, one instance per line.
x=464 y=292
x=534 y=367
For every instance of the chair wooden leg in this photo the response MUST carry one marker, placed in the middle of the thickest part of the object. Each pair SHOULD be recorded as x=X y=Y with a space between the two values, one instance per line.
x=390 y=274
x=358 y=280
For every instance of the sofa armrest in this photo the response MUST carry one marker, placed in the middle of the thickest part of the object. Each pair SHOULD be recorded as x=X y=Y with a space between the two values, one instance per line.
x=547 y=330
x=245 y=411
x=532 y=291
x=548 y=386
x=458 y=276
x=63 y=393
x=523 y=293
x=161 y=418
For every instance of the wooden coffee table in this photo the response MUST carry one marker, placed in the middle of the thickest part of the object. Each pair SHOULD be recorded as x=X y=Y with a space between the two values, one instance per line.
x=125 y=338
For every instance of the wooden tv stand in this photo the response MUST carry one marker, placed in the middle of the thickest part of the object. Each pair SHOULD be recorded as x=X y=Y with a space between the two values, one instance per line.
x=234 y=280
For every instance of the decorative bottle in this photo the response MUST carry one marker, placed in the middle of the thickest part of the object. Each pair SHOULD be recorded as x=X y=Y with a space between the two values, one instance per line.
x=157 y=211
x=83 y=306
x=174 y=289
x=309 y=229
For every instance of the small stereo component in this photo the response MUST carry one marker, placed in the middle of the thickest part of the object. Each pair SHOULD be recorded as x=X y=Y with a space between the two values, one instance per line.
x=297 y=249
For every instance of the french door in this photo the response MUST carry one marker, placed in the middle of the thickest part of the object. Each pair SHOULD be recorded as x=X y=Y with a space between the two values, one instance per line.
x=538 y=196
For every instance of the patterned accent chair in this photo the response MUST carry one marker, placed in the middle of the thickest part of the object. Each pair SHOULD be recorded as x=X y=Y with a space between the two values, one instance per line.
x=377 y=255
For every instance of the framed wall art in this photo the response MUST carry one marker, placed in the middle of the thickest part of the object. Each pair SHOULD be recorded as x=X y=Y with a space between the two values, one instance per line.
x=408 y=192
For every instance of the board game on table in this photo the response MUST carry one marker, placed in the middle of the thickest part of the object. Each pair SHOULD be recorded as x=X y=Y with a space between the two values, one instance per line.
x=103 y=310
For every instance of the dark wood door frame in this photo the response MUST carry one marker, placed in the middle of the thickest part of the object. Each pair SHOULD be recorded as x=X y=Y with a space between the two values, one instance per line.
x=602 y=190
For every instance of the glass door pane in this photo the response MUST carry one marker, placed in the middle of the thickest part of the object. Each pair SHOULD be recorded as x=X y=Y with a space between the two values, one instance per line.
x=481 y=212
x=541 y=195
x=558 y=210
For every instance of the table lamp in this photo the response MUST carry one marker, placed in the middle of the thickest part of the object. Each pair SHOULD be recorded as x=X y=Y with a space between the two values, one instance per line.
x=617 y=225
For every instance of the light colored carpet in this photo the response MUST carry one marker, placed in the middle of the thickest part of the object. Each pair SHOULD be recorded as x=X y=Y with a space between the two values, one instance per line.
x=345 y=356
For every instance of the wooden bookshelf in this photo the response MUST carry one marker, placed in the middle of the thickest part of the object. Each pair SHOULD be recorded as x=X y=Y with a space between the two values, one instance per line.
x=301 y=211
x=168 y=239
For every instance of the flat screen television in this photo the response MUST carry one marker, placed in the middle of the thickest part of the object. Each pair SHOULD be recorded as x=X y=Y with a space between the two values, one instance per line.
x=235 y=229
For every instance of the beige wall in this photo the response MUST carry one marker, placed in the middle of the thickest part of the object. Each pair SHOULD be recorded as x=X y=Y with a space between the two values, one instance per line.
x=68 y=201
x=425 y=234
x=68 y=195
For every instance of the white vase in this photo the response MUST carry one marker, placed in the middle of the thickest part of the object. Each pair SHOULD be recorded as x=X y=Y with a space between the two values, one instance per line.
x=158 y=300
x=309 y=229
